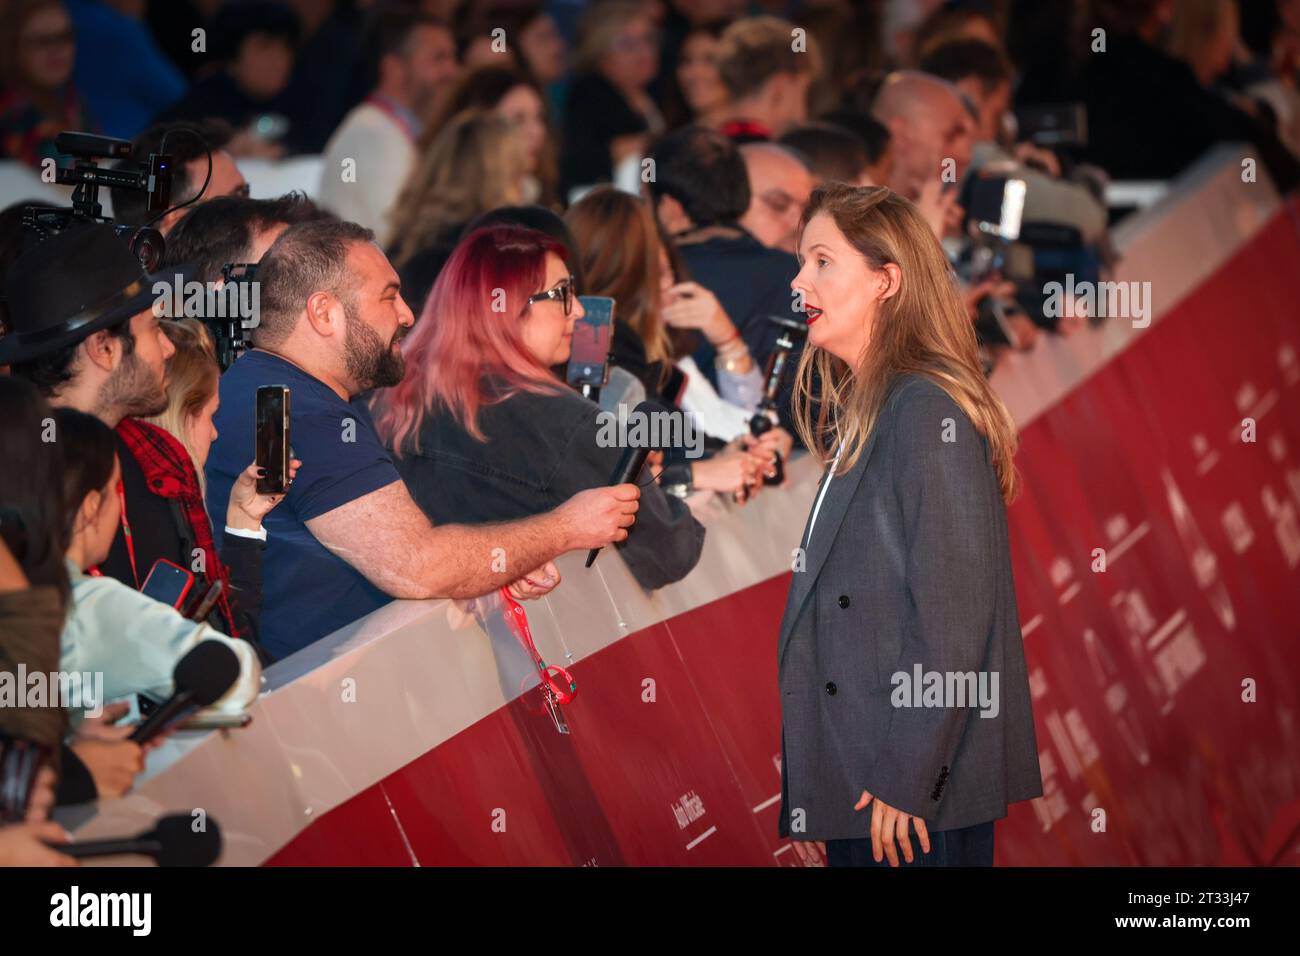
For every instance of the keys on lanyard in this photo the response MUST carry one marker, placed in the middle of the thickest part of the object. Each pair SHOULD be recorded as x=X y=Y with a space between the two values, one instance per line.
x=558 y=685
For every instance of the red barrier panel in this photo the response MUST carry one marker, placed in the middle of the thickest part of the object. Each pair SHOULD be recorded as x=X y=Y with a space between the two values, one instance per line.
x=1155 y=555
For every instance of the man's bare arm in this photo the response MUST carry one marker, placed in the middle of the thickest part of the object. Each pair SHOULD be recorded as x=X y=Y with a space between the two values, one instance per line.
x=386 y=537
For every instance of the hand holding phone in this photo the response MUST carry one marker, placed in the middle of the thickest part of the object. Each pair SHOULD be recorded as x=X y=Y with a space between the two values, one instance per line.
x=248 y=504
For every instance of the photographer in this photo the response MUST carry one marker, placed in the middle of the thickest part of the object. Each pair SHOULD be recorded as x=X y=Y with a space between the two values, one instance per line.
x=351 y=538
x=189 y=145
x=931 y=134
x=233 y=230
x=983 y=75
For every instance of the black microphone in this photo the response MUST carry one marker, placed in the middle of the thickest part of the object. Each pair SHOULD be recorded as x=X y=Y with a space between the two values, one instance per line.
x=633 y=459
x=201 y=678
x=172 y=842
x=777 y=362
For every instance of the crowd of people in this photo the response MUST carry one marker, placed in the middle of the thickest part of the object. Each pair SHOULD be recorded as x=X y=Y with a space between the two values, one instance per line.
x=483 y=165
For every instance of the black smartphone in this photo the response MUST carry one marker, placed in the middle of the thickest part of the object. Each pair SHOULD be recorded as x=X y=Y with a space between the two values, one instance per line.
x=273 y=438
x=589 y=354
x=168 y=582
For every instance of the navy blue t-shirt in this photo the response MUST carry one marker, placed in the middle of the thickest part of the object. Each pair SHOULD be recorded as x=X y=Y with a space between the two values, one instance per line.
x=307 y=591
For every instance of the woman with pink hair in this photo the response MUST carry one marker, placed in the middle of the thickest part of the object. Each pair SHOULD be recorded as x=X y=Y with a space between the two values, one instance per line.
x=482 y=429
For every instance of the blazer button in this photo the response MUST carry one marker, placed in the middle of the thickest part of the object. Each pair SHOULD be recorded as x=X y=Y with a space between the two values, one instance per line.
x=831 y=688
x=844 y=600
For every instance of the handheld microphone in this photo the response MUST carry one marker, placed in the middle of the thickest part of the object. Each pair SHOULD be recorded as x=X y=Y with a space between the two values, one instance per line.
x=633 y=459
x=172 y=842
x=201 y=678
x=777 y=362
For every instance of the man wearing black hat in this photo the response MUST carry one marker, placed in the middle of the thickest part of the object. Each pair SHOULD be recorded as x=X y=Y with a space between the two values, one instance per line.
x=83 y=326
x=85 y=333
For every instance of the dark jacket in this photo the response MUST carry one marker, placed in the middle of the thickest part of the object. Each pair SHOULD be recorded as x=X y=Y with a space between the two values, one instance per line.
x=595 y=115
x=1149 y=117
x=751 y=282
x=540 y=451
x=159 y=529
x=908 y=565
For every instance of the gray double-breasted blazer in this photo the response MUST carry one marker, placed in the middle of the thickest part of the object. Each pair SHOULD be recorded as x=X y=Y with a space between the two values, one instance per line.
x=901 y=666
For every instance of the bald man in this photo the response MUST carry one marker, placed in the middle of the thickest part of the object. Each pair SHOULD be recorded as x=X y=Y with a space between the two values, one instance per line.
x=929 y=124
x=779 y=187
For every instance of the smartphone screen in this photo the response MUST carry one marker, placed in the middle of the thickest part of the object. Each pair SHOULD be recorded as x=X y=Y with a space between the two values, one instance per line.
x=168 y=583
x=589 y=354
x=273 y=438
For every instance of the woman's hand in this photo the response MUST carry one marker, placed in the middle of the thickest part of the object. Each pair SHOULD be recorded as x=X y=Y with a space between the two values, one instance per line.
x=889 y=824
x=688 y=305
x=247 y=508
x=734 y=470
x=113 y=764
x=23 y=844
x=775 y=440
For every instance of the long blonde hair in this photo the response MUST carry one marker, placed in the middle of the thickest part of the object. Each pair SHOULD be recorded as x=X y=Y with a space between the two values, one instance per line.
x=474 y=163
x=192 y=374
x=922 y=329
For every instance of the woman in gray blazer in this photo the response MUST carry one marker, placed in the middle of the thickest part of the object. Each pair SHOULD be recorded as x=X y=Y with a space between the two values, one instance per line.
x=904 y=696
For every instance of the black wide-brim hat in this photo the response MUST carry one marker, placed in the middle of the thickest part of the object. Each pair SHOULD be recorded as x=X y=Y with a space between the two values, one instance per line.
x=73 y=284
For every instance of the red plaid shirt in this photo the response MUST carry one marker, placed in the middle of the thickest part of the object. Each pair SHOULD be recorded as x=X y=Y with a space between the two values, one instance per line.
x=170 y=473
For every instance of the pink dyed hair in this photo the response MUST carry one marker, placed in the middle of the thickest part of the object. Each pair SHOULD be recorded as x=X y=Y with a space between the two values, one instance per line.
x=460 y=338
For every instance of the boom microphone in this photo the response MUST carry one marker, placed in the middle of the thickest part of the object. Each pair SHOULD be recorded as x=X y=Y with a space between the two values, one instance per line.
x=172 y=842
x=201 y=678
x=633 y=460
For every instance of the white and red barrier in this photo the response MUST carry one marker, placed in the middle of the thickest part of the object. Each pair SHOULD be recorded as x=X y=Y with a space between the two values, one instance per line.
x=1165 y=685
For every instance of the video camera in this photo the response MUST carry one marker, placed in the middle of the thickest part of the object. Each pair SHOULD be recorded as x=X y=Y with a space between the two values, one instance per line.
x=232 y=336
x=999 y=243
x=995 y=208
x=87 y=177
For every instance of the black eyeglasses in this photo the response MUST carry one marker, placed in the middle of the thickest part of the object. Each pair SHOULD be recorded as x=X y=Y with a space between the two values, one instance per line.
x=563 y=292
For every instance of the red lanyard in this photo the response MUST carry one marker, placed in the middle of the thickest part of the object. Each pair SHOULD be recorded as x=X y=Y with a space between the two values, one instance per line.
x=126 y=534
x=561 y=691
x=94 y=572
